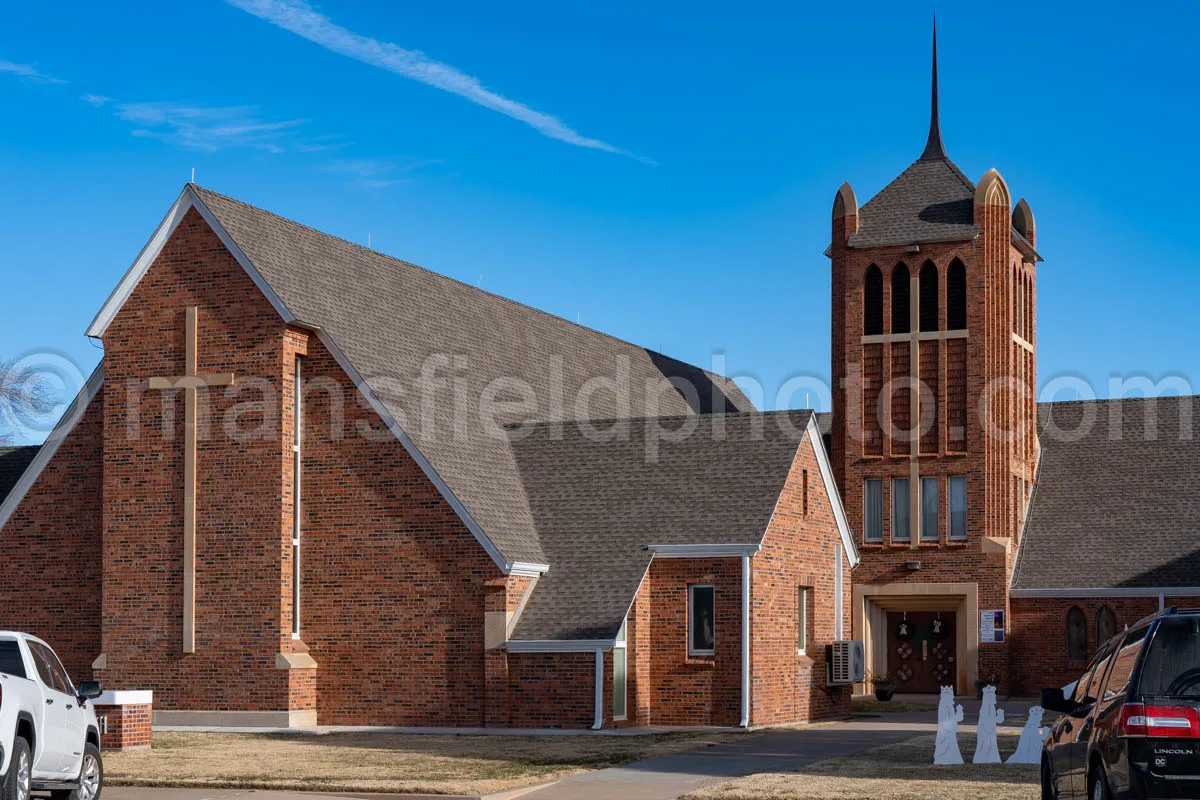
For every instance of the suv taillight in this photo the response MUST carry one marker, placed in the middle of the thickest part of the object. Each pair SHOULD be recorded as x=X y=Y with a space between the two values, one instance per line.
x=1159 y=722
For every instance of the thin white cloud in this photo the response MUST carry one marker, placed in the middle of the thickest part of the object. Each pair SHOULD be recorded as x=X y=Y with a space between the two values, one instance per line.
x=27 y=72
x=375 y=173
x=300 y=18
x=95 y=99
x=207 y=128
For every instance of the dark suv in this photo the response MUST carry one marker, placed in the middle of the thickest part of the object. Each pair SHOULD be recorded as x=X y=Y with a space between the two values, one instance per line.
x=1130 y=727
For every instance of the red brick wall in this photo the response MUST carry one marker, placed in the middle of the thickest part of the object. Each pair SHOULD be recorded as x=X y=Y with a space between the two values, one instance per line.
x=239 y=486
x=692 y=690
x=50 y=583
x=1039 y=635
x=125 y=727
x=394 y=583
x=555 y=690
x=798 y=550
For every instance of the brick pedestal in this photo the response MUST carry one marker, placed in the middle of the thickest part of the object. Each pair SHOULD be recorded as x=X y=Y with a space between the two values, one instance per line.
x=125 y=720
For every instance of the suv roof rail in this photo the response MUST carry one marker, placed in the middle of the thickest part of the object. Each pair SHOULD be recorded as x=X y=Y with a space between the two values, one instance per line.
x=1166 y=612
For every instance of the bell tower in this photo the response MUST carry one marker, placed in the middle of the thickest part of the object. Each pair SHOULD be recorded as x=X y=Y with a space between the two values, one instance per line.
x=934 y=423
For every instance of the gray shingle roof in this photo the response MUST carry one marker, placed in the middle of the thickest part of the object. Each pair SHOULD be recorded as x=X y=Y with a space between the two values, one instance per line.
x=388 y=317
x=1115 y=507
x=599 y=504
x=13 y=462
x=931 y=201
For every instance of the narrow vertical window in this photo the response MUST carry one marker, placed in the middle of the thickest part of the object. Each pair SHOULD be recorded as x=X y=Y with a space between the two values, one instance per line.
x=1076 y=634
x=958 y=507
x=803 y=615
x=900 y=511
x=873 y=302
x=804 y=481
x=956 y=296
x=838 y=591
x=873 y=510
x=701 y=621
x=297 y=425
x=1106 y=625
x=928 y=301
x=620 y=679
x=900 y=295
x=929 y=510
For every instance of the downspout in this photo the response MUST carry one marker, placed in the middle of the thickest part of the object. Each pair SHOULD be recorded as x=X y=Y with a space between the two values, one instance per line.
x=745 y=723
x=598 y=722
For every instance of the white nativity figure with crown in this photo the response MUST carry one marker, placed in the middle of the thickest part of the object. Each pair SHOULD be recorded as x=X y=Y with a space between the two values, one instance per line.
x=946 y=750
x=986 y=749
x=1029 y=749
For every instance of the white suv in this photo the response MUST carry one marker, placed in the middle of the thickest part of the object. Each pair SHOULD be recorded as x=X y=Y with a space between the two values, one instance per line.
x=49 y=739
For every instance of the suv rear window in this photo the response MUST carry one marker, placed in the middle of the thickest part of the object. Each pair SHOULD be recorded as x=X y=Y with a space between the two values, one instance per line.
x=1172 y=665
x=10 y=659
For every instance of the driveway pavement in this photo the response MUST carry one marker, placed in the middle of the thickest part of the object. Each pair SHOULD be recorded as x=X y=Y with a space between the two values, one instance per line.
x=667 y=777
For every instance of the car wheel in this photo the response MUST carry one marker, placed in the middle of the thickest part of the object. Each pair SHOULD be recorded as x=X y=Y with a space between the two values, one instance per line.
x=20 y=772
x=1099 y=787
x=91 y=777
x=1049 y=790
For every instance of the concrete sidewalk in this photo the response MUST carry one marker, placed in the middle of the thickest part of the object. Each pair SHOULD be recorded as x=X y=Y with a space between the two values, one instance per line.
x=773 y=750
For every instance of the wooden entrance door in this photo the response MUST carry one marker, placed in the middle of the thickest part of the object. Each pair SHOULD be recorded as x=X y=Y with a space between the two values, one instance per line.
x=922 y=651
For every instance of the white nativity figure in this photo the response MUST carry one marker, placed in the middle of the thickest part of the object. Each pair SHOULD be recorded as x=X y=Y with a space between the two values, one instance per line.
x=946 y=751
x=986 y=750
x=1029 y=749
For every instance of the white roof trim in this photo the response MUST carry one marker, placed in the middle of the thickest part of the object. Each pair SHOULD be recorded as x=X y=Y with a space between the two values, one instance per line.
x=831 y=490
x=188 y=199
x=527 y=569
x=62 y=429
x=558 y=646
x=508 y=567
x=703 y=550
x=1117 y=591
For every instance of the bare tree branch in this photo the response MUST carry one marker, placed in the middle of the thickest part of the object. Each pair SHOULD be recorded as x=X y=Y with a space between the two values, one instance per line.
x=24 y=395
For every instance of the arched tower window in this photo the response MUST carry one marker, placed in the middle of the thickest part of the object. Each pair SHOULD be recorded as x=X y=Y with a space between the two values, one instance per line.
x=1076 y=634
x=873 y=301
x=900 y=293
x=929 y=297
x=1106 y=625
x=956 y=296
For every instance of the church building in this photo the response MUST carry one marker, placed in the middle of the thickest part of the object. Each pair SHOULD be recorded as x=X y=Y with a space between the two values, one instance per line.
x=312 y=484
x=309 y=483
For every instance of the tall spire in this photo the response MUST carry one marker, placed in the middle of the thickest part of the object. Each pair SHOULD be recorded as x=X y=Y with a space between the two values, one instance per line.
x=934 y=149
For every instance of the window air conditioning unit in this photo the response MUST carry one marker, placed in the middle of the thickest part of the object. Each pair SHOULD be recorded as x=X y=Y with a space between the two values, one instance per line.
x=845 y=663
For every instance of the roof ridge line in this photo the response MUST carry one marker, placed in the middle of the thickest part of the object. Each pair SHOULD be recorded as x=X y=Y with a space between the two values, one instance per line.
x=694 y=415
x=451 y=279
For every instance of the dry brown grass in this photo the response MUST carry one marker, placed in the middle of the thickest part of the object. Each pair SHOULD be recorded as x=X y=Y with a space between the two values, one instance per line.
x=894 y=772
x=381 y=762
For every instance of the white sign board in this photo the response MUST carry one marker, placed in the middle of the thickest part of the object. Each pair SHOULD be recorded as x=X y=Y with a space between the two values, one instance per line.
x=991 y=627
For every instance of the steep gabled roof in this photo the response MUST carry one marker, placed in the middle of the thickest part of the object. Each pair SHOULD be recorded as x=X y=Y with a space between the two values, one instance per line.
x=599 y=503
x=1117 y=505
x=415 y=341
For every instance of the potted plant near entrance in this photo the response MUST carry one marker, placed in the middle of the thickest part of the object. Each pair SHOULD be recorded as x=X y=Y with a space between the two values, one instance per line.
x=993 y=680
x=884 y=686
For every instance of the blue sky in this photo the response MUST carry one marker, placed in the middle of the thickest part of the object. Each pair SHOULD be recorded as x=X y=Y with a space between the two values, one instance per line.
x=662 y=172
